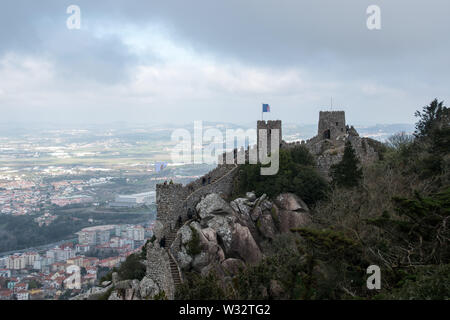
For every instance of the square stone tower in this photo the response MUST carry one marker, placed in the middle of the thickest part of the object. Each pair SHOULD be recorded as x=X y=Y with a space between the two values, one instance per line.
x=268 y=126
x=331 y=125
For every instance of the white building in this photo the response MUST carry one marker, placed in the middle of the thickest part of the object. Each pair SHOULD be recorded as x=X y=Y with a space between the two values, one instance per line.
x=3 y=262
x=82 y=248
x=95 y=235
x=16 y=262
x=134 y=199
x=136 y=233
x=30 y=257
x=58 y=254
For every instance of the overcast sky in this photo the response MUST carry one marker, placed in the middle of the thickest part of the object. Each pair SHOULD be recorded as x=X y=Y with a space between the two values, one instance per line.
x=218 y=60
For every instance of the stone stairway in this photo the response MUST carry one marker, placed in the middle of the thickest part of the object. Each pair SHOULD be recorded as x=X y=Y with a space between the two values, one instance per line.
x=174 y=271
x=170 y=239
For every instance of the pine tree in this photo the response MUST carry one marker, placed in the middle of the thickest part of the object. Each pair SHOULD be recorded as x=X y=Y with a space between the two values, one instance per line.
x=347 y=173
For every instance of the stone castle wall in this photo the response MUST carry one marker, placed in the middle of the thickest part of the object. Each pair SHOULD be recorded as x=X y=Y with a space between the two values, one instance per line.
x=158 y=269
x=174 y=200
x=223 y=186
x=169 y=200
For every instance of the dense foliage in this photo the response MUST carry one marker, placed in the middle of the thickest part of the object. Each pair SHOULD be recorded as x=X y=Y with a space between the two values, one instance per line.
x=132 y=268
x=22 y=232
x=200 y=288
x=296 y=174
x=347 y=172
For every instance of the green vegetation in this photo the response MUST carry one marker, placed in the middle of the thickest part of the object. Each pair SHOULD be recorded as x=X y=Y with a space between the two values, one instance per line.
x=347 y=172
x=197 y=287
x=22 y=232
x=193 y=246
x=106 y=295
x=160 y=296
x=143 y=254
x=33 y=284
x=296 y=174
x=132 y=268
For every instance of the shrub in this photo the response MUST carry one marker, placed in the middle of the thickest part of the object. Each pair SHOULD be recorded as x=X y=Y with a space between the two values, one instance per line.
x=132 y=268
x=347 y=172
x=193 y=246
x=198 y=287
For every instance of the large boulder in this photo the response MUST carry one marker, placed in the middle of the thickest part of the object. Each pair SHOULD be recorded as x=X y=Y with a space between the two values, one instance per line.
x=223 y=226
x=211 y=251
x=210 y=234
x=266 y=226
x=251 y=196
x=256 y=213
x=292 y=220
x=293 y=213
x=291 y=202
x=242 y=206
x=183 y=259
x=231 y=266
x=244 y=245
x=200 y=261
x=212 y=205
x=186 y=234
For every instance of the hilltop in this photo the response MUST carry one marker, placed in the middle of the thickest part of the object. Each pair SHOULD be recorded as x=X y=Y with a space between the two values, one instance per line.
x=310 y=231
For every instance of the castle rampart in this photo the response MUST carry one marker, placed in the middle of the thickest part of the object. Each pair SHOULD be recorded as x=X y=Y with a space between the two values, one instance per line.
x=175 y=201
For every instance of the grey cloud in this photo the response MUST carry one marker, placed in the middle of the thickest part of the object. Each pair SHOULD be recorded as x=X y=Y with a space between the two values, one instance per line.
x=328 y=38
x=39 y=28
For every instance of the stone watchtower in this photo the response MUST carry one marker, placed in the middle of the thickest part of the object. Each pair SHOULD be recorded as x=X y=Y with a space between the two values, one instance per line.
x=331 y=125
x=268 y=126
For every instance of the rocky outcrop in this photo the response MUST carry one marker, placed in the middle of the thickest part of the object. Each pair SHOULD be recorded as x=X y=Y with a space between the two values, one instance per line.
x=293 y=212
x=148 y=288
x=291 y=202
x=213 y=205
x=225 y=239
x=244 y=245
x=329 y=151
x=94 y=293
x=228 y=236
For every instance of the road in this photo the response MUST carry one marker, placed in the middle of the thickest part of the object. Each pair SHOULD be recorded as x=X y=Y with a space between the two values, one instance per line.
x=38 y=248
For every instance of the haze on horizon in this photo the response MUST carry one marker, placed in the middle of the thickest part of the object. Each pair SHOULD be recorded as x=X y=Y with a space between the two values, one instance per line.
x=180 y=61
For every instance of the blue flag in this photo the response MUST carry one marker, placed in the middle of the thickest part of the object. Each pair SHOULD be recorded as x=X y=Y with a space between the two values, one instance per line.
x=159 y=166
x=266 y=107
